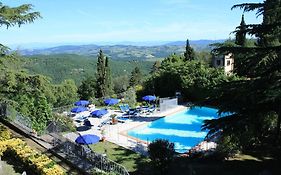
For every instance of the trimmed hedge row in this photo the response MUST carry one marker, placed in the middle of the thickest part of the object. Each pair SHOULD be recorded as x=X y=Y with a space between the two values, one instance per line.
x=40 y=163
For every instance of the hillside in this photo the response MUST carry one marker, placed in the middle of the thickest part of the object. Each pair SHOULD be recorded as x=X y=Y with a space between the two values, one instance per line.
x=124 y=52
x=71 y=66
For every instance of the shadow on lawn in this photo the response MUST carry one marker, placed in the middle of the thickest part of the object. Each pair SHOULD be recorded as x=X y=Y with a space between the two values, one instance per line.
x=139 y=163
x=183 y=166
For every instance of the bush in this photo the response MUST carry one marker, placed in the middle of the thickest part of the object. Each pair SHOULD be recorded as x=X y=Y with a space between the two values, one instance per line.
x=161 y=153
x=5 y=134
x=228 y=146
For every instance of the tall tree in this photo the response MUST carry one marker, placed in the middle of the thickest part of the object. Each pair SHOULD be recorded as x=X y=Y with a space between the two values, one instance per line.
x=104 y=81
x=189 y=53
x=108 y=79
x=240 y=36
x=257 y=97
x=101 y=75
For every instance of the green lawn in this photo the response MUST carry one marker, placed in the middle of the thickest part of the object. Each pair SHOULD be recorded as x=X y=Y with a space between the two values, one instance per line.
x=134 y=163
x=242 y=165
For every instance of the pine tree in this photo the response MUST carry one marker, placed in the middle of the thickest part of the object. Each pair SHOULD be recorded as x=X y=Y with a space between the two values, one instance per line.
x=11 y=16
x=189 y=53
x=256 y=97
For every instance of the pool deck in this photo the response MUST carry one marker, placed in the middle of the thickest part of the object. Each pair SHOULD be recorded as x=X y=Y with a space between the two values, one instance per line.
x=118 y=133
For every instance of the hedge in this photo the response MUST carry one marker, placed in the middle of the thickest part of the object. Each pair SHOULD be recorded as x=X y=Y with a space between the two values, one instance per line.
x=39 y=163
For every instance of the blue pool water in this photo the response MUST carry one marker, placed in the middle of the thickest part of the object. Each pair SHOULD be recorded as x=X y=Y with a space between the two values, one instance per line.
x=183 y=128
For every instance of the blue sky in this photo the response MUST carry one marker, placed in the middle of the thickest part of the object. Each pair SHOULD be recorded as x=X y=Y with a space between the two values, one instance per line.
x=95 y=21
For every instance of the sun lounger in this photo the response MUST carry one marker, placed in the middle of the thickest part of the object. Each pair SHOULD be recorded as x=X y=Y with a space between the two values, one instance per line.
x=125 y=108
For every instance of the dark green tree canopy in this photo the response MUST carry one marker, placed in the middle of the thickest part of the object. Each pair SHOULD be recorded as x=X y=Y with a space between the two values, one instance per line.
x=255 y=99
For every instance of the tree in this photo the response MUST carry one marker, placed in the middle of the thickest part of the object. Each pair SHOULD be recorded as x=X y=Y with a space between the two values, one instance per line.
x=240 y=36
x=194 y=78
x=42 y=113
x=156 y=66
x=257 y=96
x=136 y=77
x=87 y=88
x=108 y=78
x=189 y=53
x=161 y=152
x=104 y=82
x=66 y=93
x=101 y=84
x=11 y=16
x=121 y=84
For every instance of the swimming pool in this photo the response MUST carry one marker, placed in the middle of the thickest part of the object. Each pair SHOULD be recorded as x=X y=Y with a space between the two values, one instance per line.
x=182 y=128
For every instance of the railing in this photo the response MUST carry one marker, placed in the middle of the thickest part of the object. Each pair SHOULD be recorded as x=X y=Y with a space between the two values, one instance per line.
x=91 y=159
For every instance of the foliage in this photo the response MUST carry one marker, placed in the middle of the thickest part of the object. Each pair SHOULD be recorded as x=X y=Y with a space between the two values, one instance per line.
x=70 y=66
x=189 y=53
x=129 y=96
x=40 y=163
x=11 y=16
x=42 y=114
x=104 y=87
x=161 y=153
x=194 y=79
x=240 y=36
x=65 y=122
x=136 y=77
x=5 y=134
x=87 y=88
x=255 y=99
x=121 y=84
x=108 y=78
x=66 y=93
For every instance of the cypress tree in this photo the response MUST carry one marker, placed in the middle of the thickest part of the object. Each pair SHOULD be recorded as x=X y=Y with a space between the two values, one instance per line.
x=104 y=80
x=240 y=38
x=101 y=89
x=108 y=78
x=189 y=53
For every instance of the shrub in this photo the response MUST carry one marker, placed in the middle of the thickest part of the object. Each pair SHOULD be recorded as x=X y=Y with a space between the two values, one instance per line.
x=40 y=163
x=5 y=134
x=161 y=153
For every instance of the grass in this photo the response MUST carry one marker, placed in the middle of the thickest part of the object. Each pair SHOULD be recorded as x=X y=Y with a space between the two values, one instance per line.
x=133 y=162
x=244 y=164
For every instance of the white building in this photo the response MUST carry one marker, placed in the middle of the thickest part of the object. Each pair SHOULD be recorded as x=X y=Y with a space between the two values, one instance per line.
x=224 y=61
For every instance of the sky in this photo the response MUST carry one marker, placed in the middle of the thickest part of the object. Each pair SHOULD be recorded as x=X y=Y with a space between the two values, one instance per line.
x=101 y=21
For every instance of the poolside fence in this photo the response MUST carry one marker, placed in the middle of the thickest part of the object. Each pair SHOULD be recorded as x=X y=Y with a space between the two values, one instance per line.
x=88 y=159
x=167 y=103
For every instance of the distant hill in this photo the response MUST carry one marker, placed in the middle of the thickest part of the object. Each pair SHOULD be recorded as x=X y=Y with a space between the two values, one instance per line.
x=71 y=66
x=123 y=52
